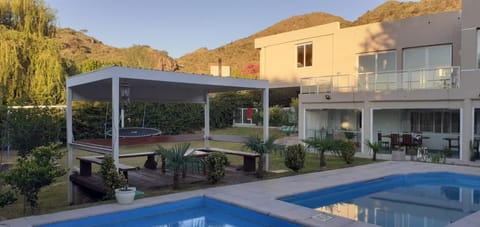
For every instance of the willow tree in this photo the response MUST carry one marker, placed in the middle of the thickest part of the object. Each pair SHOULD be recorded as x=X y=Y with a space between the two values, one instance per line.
x=31 y=70
x=46 y=73
x=29 y=16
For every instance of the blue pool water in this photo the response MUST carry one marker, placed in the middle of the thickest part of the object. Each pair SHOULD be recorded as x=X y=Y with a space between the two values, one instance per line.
x=429 y=199
x=197 y=212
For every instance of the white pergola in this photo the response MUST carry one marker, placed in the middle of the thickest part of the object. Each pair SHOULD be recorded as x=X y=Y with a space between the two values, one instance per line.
x=153 y=86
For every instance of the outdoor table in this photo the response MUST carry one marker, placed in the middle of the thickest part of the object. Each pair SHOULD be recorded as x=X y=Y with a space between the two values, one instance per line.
x=450 y=139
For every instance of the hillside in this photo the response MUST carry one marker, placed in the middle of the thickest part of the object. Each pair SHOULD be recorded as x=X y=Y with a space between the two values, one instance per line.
x=241 y=53
x=79 y=47
x=393 y=10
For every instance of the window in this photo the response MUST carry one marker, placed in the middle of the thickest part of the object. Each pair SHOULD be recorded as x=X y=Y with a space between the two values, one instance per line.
x=304 y=55
x=436 y=121
x=376 y=70
x=377 y=62
x=427 y=57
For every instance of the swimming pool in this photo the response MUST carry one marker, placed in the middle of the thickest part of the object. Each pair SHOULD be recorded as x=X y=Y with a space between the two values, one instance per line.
x=428 y=199
x=198 y=212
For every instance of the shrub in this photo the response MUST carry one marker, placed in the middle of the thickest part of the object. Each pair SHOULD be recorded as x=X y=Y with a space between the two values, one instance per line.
x=35 y=171
x=215 y=164
x=278 y=116
x=31 y=128
x=347 y=150
x=295 y=157
x=111 y=178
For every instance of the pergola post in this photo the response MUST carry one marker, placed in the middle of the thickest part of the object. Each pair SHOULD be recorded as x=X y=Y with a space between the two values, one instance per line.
x=68 y=117
x=206 y=131
x=265 y=122
x=115 y=117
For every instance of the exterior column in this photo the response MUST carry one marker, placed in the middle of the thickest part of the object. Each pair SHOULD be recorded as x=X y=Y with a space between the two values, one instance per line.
x=115 y=118
x=367 y=125
x=301 y=120
x=466 y=129
x=206 y=131
x=68 y=117
x=265 y=122
x=122 y=118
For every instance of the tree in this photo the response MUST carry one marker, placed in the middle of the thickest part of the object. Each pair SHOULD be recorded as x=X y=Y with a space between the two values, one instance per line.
x=6 y=196
x=93 y=64
x=215 y=164
x=32 y=70
x=375 y=147
x=321 y=145
x=252 y=70
x=257 y=145
x=33 y=172
x=295 y=157
x=177 y=160
x=29 y=16
x=112 y=179
x=30 y=128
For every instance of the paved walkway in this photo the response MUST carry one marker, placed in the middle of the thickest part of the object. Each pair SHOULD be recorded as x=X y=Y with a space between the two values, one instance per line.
x=262 y=196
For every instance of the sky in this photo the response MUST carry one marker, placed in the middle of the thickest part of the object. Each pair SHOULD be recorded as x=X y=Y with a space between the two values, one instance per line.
x=183 y=26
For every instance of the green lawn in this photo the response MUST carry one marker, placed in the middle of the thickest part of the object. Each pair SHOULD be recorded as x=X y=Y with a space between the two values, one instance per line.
x=53 y=198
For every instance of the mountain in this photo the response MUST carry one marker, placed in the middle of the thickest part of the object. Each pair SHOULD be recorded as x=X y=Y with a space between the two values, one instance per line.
x=80 y=48
x=394 y=10
x=241 y=53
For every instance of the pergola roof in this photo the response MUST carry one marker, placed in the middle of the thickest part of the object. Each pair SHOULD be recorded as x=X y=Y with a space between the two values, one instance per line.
x=154 y=85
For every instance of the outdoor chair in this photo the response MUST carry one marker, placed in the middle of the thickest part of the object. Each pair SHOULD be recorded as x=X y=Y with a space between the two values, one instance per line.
x=407 y=140
x=385 y=144
x=394 y=140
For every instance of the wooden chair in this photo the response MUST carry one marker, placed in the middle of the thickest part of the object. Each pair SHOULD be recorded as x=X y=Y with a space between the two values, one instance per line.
x=407 y=140
x=394 y=140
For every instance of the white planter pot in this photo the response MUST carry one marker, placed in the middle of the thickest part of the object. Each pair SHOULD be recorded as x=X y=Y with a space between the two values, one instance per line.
x=398 y=155
x=125 y=197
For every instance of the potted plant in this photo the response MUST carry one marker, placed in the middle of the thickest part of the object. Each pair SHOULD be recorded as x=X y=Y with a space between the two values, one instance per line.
x=124 y=194
x=115 y=183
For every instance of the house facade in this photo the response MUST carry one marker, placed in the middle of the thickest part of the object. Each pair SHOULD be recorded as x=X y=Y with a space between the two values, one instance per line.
x=413 y=82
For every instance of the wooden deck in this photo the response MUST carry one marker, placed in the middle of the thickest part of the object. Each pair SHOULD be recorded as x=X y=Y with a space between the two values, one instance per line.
x=149 y=181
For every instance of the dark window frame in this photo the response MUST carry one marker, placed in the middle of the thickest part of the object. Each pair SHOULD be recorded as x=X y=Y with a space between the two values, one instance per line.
x=304 y=55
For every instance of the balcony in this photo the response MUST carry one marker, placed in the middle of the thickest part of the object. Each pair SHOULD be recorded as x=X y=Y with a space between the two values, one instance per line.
x=437 y=78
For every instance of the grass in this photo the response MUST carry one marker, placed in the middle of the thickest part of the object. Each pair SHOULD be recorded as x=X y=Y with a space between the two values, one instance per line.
x=54 y=197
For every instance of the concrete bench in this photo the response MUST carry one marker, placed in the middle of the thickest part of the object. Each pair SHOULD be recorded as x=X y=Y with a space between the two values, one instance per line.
x=249 y=158
x=86 y=165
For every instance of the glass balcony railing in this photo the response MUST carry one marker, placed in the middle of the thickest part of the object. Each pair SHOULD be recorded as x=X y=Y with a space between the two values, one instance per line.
x=437 y=78
x=326 y=84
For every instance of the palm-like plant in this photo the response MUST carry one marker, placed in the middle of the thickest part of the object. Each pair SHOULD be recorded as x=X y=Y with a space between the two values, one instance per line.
x=177 y=161
x=321 y=145
x=375 y=147
x=257 y=145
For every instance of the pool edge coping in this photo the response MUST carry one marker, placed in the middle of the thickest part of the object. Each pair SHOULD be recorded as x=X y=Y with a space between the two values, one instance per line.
x=266 y=202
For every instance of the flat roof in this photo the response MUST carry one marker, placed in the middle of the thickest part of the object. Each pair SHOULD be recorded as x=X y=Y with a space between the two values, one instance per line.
x=155 y=85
